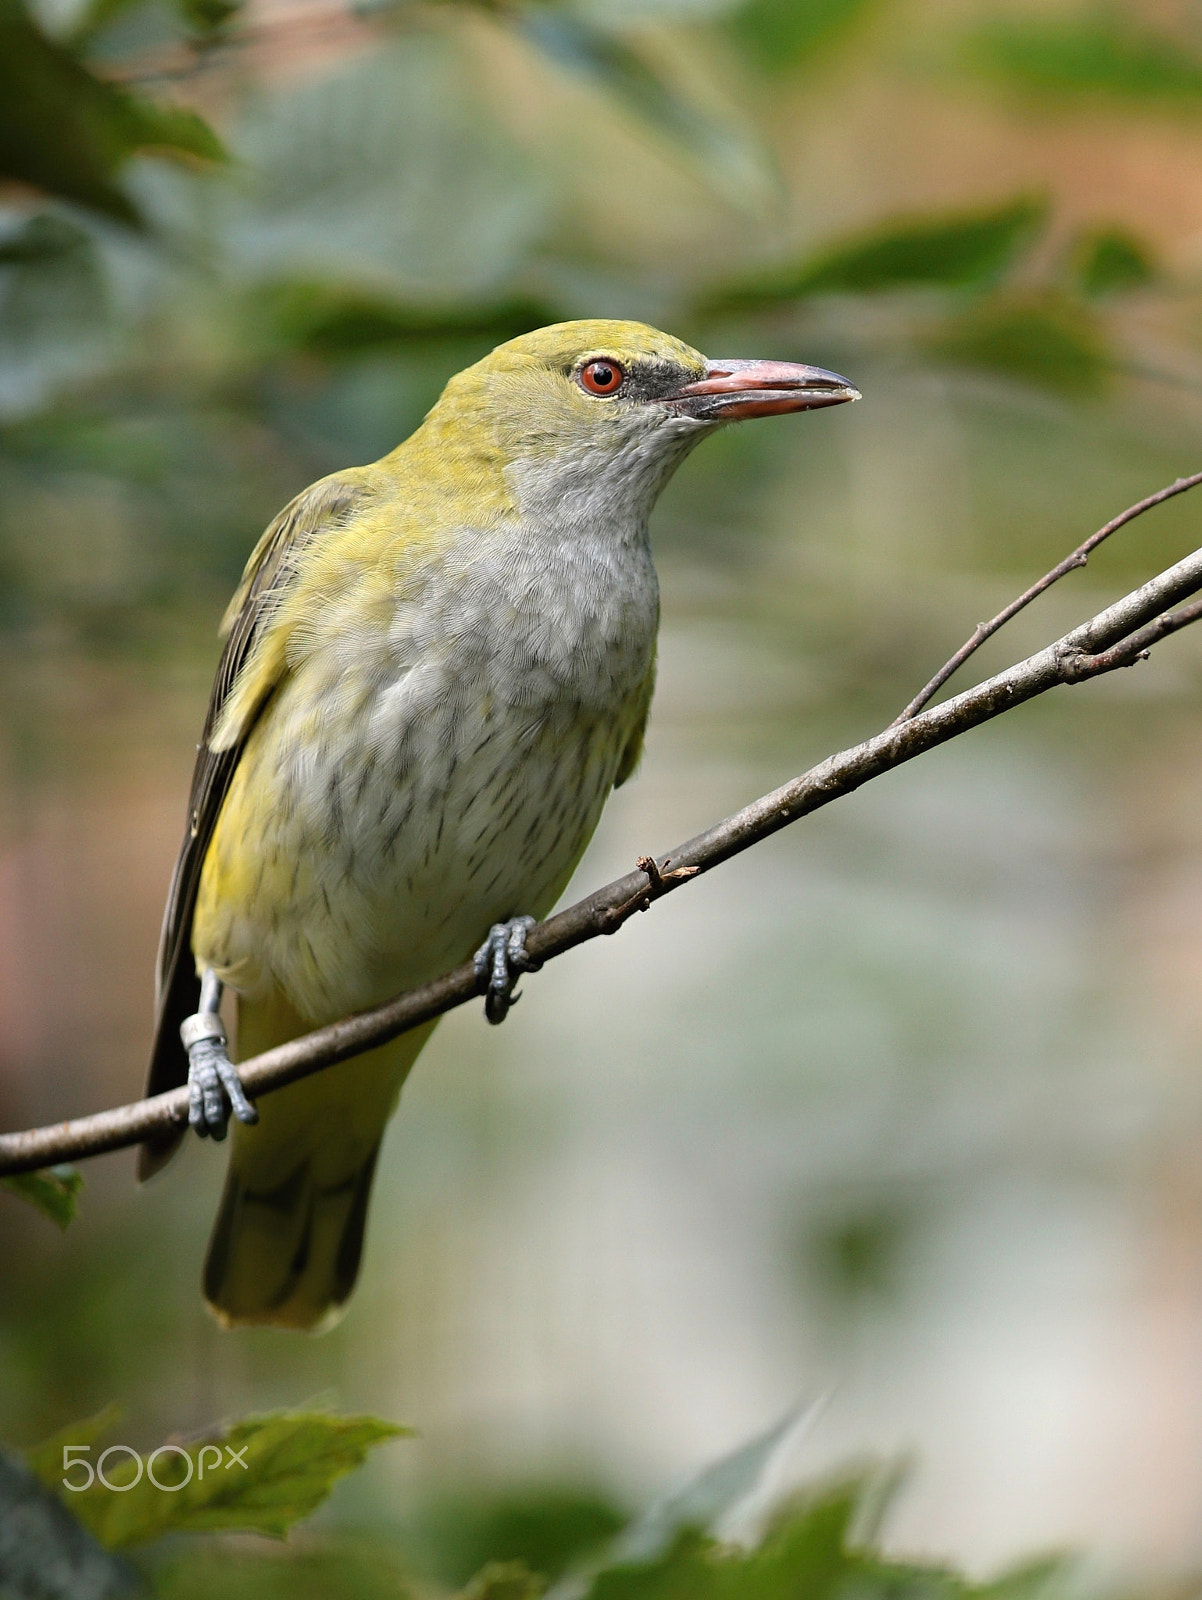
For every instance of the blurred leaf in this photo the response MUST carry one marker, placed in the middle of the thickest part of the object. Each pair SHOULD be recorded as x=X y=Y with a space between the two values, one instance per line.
x=203 y=18
x=384 y=175
x=713 y=1493
x=1109 y=261
x=170 y=130
x=503 y=1580
x=816 y=1546
x=44 y=1552
x=46 y=1460
x=819 y=1543
x=52 y=1191
x=48 y=260
x=209 y=16
x=728 y=157
x=739 y=1486
x=779 y=34
x=94 y=16
x=332 y=320
x=40 y=238
x=857 y=1255
x=804 y=1553
x=949 y=251
x=1100 y=54
x=1044 y=339
x=67 y=132
x=545 y=1530
x=260 y=1475
x=1037 y=1579
x=54 y=308
x=346 y=1568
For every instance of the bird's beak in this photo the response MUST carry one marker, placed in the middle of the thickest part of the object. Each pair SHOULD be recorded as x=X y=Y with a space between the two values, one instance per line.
x=732 y=390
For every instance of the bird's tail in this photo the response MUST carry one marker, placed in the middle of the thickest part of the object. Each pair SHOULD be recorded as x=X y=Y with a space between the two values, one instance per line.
x=286 y=1245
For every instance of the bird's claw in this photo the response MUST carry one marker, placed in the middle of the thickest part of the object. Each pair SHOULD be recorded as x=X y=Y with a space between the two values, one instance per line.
x=212 y=1077
x=500 y=962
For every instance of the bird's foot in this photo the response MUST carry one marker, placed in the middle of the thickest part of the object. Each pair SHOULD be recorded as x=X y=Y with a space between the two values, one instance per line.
x=214 y=1087
x=500 y=962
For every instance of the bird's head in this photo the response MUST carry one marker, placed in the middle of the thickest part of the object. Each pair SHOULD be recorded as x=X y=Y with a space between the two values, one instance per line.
x=596 y=415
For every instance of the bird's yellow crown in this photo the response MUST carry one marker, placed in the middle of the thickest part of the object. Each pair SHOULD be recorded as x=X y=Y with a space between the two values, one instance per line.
x=526 y=397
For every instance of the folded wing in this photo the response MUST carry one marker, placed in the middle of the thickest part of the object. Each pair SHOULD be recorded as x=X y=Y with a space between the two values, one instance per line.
x=252 y=664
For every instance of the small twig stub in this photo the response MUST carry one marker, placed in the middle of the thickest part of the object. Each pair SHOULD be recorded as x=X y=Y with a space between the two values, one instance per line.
x=659 y=882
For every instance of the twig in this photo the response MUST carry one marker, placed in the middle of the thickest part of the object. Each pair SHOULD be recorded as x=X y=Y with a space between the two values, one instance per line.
x=659 y=881
x=1079 y=558
x=1116 y=637
x=1138 y=646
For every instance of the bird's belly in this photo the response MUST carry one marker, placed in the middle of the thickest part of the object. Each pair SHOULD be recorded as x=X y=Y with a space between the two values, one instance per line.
x=353 y=859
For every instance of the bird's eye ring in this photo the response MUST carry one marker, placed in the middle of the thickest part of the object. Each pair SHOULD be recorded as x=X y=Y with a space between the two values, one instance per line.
x=602 y=377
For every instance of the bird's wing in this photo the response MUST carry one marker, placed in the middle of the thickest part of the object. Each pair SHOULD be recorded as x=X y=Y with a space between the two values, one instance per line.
x=251 y=665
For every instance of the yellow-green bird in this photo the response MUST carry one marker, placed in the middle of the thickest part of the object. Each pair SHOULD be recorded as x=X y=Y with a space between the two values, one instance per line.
x=435 y=670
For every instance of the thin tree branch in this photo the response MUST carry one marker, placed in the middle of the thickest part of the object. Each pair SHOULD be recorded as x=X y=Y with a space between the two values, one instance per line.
x=1117 y=637
x=1138 y=646
x=1079 y=558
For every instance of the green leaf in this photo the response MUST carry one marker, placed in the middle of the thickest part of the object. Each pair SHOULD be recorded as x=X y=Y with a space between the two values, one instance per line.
x=91 y=18
x=383 y=175
x=335 y=320
x=204 y=19
x=714 y=1492
x=813 y=1547
x=260 y=1475
x=780 y=34
x=66 y=132
x=1038 y=1579
x=545 y=1528
x=805 y=1552
x=949 y=251
x=56 y=327
x=52 y=1191
x=208 y=17
x=1042 y=339
x=503 y=1580
x=1109 y=261
x=170 y=131
x=731 y=160
x=347 y=1568
x=1090 y=55
x=40 y=239
x=687 y=1568
x=45 y=1460
x=953 y=250
x=819 y=1544
x=50 y=273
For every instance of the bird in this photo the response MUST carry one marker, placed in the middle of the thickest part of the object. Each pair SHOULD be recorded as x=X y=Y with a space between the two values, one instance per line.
x=435 y=669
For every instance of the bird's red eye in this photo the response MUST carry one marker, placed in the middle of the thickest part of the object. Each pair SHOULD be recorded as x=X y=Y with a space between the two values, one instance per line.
x=602 y=377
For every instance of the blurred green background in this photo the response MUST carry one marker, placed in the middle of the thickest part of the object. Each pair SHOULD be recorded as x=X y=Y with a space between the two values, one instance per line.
x=903 y=1110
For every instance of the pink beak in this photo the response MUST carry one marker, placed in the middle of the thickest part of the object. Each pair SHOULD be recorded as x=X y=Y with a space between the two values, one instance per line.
x=733 y=390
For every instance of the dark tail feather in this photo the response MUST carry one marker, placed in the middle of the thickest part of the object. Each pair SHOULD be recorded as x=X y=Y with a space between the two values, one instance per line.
x=287 y=1257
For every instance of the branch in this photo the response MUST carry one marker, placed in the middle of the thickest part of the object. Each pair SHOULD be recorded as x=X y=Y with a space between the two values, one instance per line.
x=1117 y=637
x=1079 y=558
